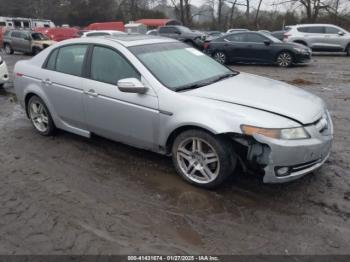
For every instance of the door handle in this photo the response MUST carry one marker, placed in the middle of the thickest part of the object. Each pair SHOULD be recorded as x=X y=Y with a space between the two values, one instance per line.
x=91 y=92
x=46 y=82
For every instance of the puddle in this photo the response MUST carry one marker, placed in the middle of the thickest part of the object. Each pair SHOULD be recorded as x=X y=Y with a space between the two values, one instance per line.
x=300 y=81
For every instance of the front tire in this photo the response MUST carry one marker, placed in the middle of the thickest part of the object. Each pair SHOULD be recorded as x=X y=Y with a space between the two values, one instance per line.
x=40 y=116
x=284 y=59
x=220 y=57
x=35 y=51
x=8 y=49
x=202 y=159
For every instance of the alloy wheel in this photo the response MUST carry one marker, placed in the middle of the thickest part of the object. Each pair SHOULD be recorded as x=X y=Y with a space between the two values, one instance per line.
x=220 y=57
x=39 y=116
x=8 y=49
x=284 y=59
x=198 y=160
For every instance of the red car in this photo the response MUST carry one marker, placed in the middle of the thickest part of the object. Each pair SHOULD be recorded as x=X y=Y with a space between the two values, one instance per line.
x=59 y=33
x=119 y=26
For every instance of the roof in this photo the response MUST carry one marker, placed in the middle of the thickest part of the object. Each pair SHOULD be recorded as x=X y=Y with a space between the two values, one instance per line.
x=155 y=22
x=135 y=40
x=125 y=40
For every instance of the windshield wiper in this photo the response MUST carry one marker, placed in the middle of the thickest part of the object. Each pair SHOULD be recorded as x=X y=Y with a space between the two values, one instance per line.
x=201 y=84
x=190 y=87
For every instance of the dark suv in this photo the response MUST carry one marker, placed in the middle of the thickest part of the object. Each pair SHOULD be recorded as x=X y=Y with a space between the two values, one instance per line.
x=183 y=34
x=25 y=41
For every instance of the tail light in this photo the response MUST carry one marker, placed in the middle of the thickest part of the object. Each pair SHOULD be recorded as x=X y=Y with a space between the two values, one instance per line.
x=285 y=36
x=206 y=45
x=19 y=74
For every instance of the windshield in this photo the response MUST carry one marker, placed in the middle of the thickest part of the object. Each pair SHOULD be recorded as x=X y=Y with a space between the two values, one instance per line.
x=39 y=37
x=272 y=38
x=179 y=67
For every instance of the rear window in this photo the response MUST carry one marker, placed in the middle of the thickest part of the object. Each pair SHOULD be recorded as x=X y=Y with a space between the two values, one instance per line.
x=70 y=59
x=311 y=29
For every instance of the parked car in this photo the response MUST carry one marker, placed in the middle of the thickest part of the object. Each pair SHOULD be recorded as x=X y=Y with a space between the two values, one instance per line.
x=257 y=47
x=214 y=34
x=58 y=34
x=4 y=74
x=233 y=30
x=320 y=37
x=183 y=34
x=279 y=34
x=102 y=33
x=106 y=26
x=25 y=41
x=161 y=95
x=152 y=32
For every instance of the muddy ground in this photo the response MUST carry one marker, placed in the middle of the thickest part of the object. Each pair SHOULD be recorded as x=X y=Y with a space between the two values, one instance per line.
x=71 y=195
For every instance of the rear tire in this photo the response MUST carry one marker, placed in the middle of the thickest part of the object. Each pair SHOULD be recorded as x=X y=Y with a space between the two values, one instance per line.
x=284 y=59
x=220 y=57
x=40 y=116
x=202 y=159
x=8 y=49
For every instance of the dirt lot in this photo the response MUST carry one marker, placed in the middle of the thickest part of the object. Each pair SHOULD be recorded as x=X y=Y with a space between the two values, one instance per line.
x=70 y=195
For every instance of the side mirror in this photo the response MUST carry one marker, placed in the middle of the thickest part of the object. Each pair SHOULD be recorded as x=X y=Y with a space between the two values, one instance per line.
x=267 y=42
x=341 y=33
x=178 y=32
x=131 y=85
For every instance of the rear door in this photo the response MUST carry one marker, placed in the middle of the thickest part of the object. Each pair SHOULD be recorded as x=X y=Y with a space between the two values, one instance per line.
x=63 y=83
x=235 y=47
x=314 y=36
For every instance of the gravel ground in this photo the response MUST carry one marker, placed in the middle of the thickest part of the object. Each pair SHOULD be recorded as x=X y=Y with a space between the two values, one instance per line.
x=71 y=195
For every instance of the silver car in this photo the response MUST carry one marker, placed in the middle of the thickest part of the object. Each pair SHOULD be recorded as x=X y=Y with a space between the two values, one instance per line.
x=162 y=95
x=320 y=37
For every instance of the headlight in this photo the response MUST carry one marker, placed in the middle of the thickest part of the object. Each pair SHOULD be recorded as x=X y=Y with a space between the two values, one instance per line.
x=300 y=50
x=285 y=134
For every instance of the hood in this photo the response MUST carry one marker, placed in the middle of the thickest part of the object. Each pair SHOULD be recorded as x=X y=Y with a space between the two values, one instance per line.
x=265 y=94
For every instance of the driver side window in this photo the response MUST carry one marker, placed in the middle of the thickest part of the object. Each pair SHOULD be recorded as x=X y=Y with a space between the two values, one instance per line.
x=109 y=67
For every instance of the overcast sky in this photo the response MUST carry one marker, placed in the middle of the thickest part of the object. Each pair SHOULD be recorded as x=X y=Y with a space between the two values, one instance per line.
x=266 y=4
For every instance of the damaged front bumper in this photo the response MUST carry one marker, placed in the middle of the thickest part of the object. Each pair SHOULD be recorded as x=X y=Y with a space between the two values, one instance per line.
x=288 y=160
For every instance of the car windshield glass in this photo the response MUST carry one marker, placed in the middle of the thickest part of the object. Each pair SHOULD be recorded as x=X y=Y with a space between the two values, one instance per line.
x=272 y=38
x=180 y=67
x=39 y=37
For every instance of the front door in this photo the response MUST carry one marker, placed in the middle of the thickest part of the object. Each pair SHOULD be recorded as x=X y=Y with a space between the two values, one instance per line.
x=126 y=117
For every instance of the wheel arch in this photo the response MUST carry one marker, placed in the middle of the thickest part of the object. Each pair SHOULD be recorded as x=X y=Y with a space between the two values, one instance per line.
x=285 y=50
x=176 y=132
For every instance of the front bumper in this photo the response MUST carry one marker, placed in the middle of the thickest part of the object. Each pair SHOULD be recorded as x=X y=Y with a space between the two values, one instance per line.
x=4 y=74
x=299 y=157
x=302 y=57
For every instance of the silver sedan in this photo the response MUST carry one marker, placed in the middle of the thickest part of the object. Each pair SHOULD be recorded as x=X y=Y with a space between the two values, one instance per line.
x=162 y=95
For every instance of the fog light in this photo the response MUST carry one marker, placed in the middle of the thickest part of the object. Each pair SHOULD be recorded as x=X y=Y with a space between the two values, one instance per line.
x=283 y=171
